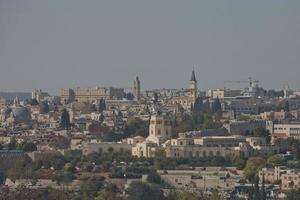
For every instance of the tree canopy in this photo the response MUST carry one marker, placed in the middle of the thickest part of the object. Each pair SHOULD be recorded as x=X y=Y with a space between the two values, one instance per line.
x=140 y=190
x=253 y=165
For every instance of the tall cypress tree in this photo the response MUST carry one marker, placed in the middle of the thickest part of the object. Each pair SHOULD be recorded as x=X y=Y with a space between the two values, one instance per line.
x=256 y=193
x=287 y=106
x=263 y=191
x=216 y=106
x=65 y=120
x=198 y=105
x=102 y=105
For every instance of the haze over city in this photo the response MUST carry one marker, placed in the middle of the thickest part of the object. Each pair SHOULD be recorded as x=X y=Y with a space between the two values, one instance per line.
x=55 y=44
x=149 y=100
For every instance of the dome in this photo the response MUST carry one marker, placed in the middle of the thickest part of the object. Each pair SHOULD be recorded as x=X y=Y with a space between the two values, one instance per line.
x=21 y=114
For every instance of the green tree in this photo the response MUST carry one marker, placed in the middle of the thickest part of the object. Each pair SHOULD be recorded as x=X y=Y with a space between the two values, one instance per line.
x=155 y=98
x=26 y=146
x=198 y=105
x=106 y=194
x=102 y=105
x=129 y=96
x=93 y=108
x=44 y=107
x=90 y=187
x=293 y=195
x=136 y=127
x=19 y=169
x=287 y=106
x=275 y=160
x=262 y=132
x=186 y=195
x=34 y=102
x=216 y=106
x=55 y=108
x=290 y=144
x=163 y=163
x=256 y=193
x=263 y=190
x=70 y=167
x=65 y=120
x=140 y=190
x=63 y=177
x=253 y=165
x=12 y=145
x=2 y=178
x=59 y=142
x=209 y=123
x=154 y=178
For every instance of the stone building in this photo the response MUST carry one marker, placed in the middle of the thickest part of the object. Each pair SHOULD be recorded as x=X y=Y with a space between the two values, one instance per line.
x=204 y=178
x=283 y=131
x=223 y=94
x=204 y=147
x=272 y=175
x=39 y=95
x=290 y=180
x=244 y=127
x=90 y=94
x=137 y=88
x=160 y=130
x=88 y=148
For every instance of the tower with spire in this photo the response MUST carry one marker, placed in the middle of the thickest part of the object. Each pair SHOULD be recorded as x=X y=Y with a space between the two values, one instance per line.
x=193 y=86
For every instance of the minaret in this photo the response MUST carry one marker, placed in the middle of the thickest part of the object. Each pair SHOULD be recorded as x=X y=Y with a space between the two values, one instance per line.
x=137 y=88
x=193 y=86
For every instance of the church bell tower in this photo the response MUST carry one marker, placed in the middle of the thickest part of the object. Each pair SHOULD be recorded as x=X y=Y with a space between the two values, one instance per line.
x=193 y=86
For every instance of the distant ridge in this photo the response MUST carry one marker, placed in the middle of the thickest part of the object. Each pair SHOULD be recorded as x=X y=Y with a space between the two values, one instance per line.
x=11 y=95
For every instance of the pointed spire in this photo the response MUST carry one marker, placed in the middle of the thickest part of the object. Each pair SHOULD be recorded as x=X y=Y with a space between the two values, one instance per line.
x=193 y=77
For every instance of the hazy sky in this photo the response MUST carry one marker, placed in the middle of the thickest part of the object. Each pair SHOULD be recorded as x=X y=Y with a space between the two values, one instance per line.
x=56 y=43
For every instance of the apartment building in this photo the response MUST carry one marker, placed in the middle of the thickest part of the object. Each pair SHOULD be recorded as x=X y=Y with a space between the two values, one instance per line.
x=283 y=131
